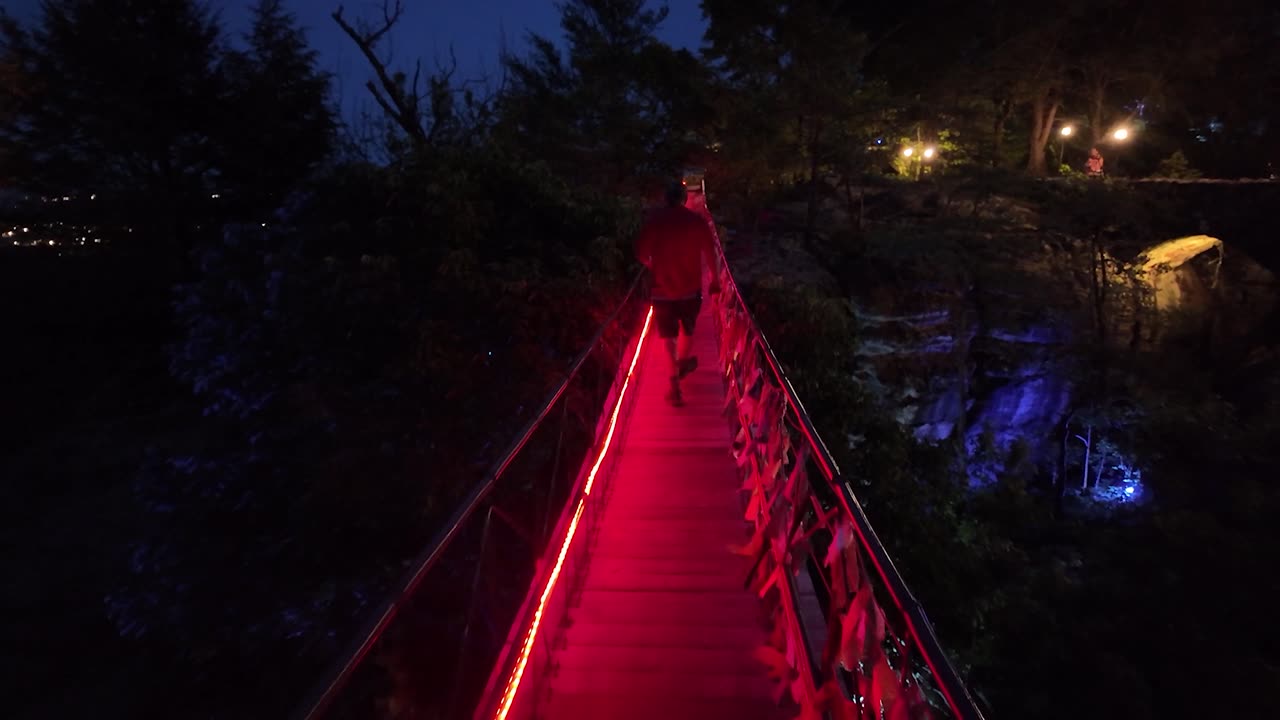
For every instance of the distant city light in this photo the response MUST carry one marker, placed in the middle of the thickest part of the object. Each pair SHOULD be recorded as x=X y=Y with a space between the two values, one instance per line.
x=908 y=152
x=26 y=229
x=94 y=196
x=929 y=153
x=214 y=196
x=1067 y=130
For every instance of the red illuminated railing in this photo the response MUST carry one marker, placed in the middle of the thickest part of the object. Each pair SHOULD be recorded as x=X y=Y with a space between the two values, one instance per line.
x=855 y=639
x=478 y=596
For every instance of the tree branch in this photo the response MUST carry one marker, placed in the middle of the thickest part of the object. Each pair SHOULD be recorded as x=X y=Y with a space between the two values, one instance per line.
x=401 y=108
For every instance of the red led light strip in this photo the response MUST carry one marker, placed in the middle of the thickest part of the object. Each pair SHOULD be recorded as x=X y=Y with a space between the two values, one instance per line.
x=517 y=673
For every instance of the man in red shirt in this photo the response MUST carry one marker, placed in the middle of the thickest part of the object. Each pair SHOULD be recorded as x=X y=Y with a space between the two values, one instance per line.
x=673 y=243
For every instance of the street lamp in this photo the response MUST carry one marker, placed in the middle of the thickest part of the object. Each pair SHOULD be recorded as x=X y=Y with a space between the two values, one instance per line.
x=1063 y=133
x=1120 y=134
x=927 y=154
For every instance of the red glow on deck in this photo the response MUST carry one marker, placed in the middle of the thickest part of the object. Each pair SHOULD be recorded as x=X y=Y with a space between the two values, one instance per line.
x=613 y=420
x=526 y=648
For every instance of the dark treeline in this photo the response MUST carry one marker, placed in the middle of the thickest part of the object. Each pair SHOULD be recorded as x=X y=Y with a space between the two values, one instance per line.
x=321 y=329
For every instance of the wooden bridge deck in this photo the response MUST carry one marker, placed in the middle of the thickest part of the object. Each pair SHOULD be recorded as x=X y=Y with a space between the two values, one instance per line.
x=663 y=628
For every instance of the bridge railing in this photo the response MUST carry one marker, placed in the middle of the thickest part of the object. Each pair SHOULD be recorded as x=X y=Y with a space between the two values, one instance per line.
x=441 y=645
x=850 y=638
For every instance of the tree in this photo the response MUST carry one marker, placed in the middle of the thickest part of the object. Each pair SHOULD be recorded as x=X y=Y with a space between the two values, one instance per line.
x=423 y=116
x=118 y=98
x=619 y=110
x=144 y=103
x=281 y=123
x=11 y=89
x=807 y=56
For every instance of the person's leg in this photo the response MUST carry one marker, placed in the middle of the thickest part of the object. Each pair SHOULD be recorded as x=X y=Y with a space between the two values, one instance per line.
x=683 y=344
x=673 y=394
x=688 y=316
x=674 y=354
x=668 y=322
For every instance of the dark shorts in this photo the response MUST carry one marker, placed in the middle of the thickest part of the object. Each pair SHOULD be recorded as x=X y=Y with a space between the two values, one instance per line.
x=674 y=315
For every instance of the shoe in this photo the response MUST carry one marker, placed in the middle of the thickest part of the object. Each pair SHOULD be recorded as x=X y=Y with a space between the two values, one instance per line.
x=688 y=365
x=673 y=395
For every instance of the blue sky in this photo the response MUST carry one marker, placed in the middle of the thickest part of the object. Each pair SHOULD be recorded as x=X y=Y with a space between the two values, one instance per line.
x=473 y=28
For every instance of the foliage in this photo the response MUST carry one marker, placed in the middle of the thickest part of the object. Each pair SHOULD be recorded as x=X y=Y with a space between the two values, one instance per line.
x=335 y=386
x=145 y=101
x=621 y=111
x=793 y=68
x=279 y=106
x=1176 y=167
x=996 y=566
x=116 y=95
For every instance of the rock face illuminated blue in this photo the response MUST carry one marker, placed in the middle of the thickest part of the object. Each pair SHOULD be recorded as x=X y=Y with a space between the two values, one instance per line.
x=992 y=353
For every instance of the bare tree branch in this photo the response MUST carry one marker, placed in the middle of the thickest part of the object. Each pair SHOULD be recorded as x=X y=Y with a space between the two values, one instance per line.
x=373 y=89
x=402 y=108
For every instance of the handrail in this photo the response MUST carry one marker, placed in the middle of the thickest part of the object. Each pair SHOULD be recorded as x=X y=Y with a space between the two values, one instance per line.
x=326 y=693
x=918 y=625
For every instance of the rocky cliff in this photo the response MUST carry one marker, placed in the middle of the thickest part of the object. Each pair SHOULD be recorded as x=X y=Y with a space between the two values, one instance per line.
x=990 y=329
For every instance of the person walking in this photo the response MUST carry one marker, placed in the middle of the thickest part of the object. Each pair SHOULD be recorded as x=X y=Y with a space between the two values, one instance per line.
x=673 y=243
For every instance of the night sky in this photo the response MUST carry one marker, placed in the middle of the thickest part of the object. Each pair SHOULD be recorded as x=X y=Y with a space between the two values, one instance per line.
x=473 y=28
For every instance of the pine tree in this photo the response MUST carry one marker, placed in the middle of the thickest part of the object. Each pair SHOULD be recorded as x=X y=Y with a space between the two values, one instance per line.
x=620 y=106
x=119 y=97
x=281 y=124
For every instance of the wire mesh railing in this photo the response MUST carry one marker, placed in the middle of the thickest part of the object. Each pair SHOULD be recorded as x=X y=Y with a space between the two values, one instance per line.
x=430 y=649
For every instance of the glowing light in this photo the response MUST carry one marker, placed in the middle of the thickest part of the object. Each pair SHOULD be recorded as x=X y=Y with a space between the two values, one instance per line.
x=1066 y=131
x=929 y=153
x=908 y=152
x=93 y=196
x=215 y=196
x=1120 y=134
x=26 y=229
x=1128 y=490
x=526 y=648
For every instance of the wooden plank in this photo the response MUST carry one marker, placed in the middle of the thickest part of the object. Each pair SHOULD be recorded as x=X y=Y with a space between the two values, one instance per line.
x=661 y=626
x=672 y=684
x=613 y=657
x=625 y=634
x=605 y=706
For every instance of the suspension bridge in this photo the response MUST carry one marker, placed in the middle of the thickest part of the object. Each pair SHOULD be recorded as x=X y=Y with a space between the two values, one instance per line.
x=701 y=562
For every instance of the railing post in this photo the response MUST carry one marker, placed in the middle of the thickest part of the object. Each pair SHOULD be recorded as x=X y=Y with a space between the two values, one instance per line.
x=555 y=471
x=471 y=607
